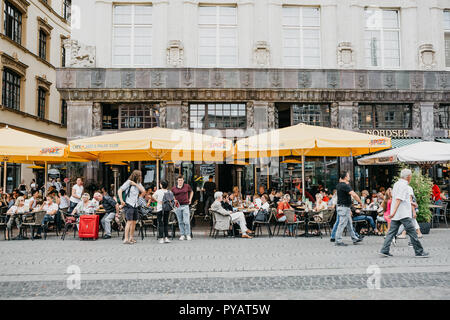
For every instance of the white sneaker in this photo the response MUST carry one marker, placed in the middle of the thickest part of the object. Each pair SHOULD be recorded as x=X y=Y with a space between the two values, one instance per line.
x=166 y=240
x=182 y=238
x=161 y=240
x=188 y=238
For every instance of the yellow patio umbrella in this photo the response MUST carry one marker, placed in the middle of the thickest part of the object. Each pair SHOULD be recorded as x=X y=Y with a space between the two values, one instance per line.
x=154 y=144
x=21 y=147
x=305 y=140
x=36 y=167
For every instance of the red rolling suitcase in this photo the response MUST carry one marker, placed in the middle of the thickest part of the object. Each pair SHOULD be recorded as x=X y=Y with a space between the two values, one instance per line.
x=88 y=227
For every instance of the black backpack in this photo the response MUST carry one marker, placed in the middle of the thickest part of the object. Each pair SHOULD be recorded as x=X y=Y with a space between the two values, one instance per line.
x=168 y=201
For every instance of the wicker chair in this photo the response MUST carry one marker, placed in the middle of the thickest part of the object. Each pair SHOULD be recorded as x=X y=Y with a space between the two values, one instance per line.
x=257 y=225
x=291 y=221
x=36 y=223
x=220 y=223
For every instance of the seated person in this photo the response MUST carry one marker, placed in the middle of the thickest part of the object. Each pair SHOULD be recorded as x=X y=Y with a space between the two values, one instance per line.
x=367 y=203
x=364 y=196
x=18 y=207
x=324 y=194
x=284 y=205
x=112 y=211
x=84 y=206
x=256 y=201
x=33 y=200
x=51 y=208
x=357 y=216
x=226 y=202
x=320 y=206
x=236 y=197
x=235 y=216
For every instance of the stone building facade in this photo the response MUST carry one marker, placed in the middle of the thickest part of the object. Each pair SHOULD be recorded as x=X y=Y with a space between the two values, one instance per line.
x=382 y=70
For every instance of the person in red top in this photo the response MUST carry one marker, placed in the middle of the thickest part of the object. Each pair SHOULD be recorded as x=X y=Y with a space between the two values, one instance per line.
x=284 y=205
x=183 y=197
x=437 y=197
x=307 y=194
x=324 y=195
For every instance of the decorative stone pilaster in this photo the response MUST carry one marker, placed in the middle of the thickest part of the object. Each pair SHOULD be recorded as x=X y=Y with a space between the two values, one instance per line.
x=250 y=114
x=272 y=116
x=334 y=115
x=97 y=116
x=175 y=54
x=427 y=116
x=162 y=114
x=427 y=57
x=185 y=115
x=346 y=122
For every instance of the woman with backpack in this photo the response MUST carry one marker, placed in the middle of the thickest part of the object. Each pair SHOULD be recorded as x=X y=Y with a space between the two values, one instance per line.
x=165 y=203
x=131 y=188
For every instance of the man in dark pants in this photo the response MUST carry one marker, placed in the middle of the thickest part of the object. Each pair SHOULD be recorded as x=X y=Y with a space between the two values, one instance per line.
x=401 y=214
x=209 y=187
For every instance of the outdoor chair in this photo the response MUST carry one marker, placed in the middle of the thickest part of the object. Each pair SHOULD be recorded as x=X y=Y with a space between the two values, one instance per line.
x=3 y=222
x=220 y=223
x=276 y=223
x=437 y=217
x=257 y=225
x=145 y=222
x=324 y=222
x=36 y=223
x=364 y=223
x=55 y=223
x=68 y=225
x=290 y=221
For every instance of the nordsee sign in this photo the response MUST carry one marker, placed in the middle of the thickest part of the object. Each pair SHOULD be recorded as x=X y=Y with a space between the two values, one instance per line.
x=389 y=133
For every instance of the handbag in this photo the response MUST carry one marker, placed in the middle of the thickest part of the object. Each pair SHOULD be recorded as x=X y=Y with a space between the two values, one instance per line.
x=261 y=215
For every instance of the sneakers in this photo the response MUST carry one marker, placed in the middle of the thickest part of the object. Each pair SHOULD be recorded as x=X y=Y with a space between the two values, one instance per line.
x=394 y=241
x=340 y=244
x=385 y=254
x=188 y=238
x=182 y=238
x=106 y=236
x=356 y=241
x=423 y=255
x=161 y=240
x=332 y=240
x=166 y=240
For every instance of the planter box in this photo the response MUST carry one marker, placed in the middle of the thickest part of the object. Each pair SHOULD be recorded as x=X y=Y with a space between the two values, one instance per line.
x=425 y=227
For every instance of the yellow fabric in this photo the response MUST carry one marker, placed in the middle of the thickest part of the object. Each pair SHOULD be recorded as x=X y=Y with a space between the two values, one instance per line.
x=19 y=147
x=309 y=141
x=154 y=144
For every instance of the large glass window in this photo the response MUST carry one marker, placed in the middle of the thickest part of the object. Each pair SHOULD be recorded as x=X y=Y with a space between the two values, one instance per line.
x=132 y=35
x=11 y=89
x=382 y=38
x=12 y=22
x=311 y=114
x=217 y=36
x=41 y=103
x=218 y=115
x=385 y=116
x=447 y=37
x=444 y=117
x=301 y=36
x=129 y=117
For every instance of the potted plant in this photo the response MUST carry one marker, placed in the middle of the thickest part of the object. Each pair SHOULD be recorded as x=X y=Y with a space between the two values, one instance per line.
x=422 y=185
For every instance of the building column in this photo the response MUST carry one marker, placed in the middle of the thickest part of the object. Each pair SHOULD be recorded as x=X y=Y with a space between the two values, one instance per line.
x=346 y=122
x=427 y=123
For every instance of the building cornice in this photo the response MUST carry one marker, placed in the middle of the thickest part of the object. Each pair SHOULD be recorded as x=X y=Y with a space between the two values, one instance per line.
x=28 y=115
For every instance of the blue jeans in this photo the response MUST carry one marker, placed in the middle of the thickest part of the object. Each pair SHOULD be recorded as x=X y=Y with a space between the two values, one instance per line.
x=183 y=217
x=366 y=218
x=290 y=227
x=438 y=210
x=47 y=218
x=333 y=232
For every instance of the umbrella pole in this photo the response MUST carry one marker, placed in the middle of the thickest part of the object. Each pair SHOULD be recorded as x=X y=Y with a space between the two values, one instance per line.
x=255 y=178
x=303 y=176
x=46 y=178
x=268 y=178
x=157 y=174
x=4 y=175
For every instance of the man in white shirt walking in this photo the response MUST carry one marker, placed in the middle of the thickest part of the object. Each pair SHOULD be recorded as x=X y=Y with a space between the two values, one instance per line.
x=401 y=214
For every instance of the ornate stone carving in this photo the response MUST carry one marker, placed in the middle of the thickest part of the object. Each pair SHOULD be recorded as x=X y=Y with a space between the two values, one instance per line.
x=217 y=80
x=304 y=80
x=246 y=79
x=261 y=54
x=436 y=115
x=361 y=80
x=443 y=80
x=97 y=116
x=250 y=114
x=355 y=116
x=157 y=79
x=333 y=79
x=175 y=53
x=345 y=55
x=334 y=115
x=416 y=115
x=417 y=81
x=13 y=63
x=79 y=55
x=185 y=115
x=188 y=78
x=427 y=57
x=271 y=112
x=389 y=80
x=275 y=79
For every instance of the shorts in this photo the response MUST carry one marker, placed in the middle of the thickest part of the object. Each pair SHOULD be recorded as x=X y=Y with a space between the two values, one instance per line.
x=131 y=213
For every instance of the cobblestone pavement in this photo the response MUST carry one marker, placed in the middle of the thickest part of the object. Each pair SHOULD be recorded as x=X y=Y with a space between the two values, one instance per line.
x=223 y=268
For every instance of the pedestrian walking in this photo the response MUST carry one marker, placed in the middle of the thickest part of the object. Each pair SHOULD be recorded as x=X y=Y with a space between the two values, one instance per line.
x=209 y=187
x=132 y=188
x=183 y=195
x=345 y=194
x=401 y=214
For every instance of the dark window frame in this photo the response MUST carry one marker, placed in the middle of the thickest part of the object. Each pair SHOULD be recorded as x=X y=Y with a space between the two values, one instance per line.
x=67 y=9
x=199 y=109
x=316 y=113
x=42 y=103
x=11 y=86
x=443 y=120
x=64 y=112
x=376 y=115
x=43 y=38
x=12 y=17
x=127 y=116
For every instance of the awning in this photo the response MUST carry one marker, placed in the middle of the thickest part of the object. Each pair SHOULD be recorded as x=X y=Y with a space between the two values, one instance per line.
x=398 y=143
x=443 y=140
